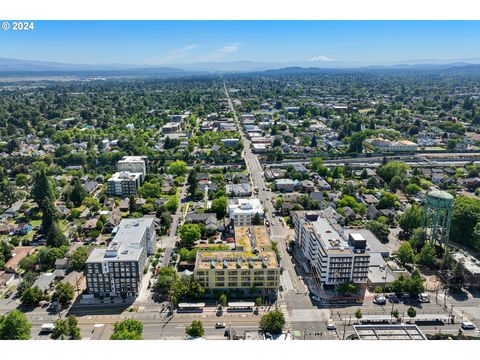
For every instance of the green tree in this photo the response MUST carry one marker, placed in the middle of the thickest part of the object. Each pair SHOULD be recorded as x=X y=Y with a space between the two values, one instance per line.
x=219 y=206
x=189 y=233
x=414 y=284
x=465 y=217
x=78 y=193
x=358 y=314
x=32 y=296
x=223 y=300
x=387 y=201
x=178 y=168
x=67 y=329
x=405 y=253
x=396 y=183
x=356 y=142
x=73 y=329
x=21 y=179
x=78 y=259
x=272 y=322
x=411 y=219
x=256 y=219
x=166 y=279
x=411 y=312
x=129 y=329
x=412 y=189
x=347 y=288
x=395 y=313
x=61 y=330
x=172 y=204
x=379 y=229
x=42 y=189
x=8 y=193
x=391 y=169
x=55 y=238
x=427 y=255
x=64 y=293
x=14 y=326
x=195 y=329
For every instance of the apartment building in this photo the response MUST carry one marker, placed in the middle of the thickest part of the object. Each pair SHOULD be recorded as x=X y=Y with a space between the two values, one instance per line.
x=171 y=127
x=332 y=257
x=251 y=269
x=118 y=269
x=242 y=211
x=124 y=183
x=133 y=164
x=392 y=146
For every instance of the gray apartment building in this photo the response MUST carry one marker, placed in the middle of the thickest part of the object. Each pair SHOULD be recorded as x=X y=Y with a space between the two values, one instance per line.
x=118 y=269
x=332 y=256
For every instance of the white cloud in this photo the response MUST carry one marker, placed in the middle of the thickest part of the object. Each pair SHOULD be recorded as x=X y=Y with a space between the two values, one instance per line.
x=320 y=58
x=175 y=55
x=221 y=52
x=230 y=48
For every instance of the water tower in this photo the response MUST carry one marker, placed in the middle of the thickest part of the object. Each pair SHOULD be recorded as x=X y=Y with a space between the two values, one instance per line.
x=437 y=214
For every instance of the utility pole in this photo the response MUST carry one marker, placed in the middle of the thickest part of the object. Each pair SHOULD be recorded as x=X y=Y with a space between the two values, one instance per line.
x=344 y=328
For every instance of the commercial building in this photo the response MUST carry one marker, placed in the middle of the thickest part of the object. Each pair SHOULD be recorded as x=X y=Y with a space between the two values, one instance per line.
x=118 y=269
x=242 y=211
x=392 y=146
x=171 y=127
x=332 y=257
x=287 y=185
x=124 y=183
x=133 y=164
x=251 y=269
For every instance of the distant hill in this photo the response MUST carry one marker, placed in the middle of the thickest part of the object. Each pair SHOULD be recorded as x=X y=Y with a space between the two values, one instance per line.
x=447 y=69
x=17 y=67
x=24 y=68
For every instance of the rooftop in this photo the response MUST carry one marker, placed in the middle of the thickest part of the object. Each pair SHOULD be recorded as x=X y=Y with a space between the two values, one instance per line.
x=207 y=260
x=122 y=175
x=389 y=332
x=247 y=238
x=126 y=245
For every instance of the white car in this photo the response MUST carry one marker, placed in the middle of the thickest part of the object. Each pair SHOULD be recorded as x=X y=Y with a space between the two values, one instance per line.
x=331 y=325
x=316 y=298
x=468 y=325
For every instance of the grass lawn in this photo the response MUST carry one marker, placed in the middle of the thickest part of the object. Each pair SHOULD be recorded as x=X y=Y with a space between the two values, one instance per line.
x=36 y=222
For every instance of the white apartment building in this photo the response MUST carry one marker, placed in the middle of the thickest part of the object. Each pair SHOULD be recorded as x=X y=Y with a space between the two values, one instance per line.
x=242 y=211
x=393 y=146
x=118 y=269
x=133 y=164
x=332 y=258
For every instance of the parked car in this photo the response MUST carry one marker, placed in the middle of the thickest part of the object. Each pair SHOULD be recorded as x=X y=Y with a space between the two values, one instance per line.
x=316 y=298
x=220 y=325
x=331 y=325
x=47 y=328
x=393 y=298
x=468 y=325
x=424 y=298
x=380 y=300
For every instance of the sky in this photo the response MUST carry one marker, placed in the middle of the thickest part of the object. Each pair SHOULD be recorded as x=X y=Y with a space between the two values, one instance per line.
x=177 y=42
